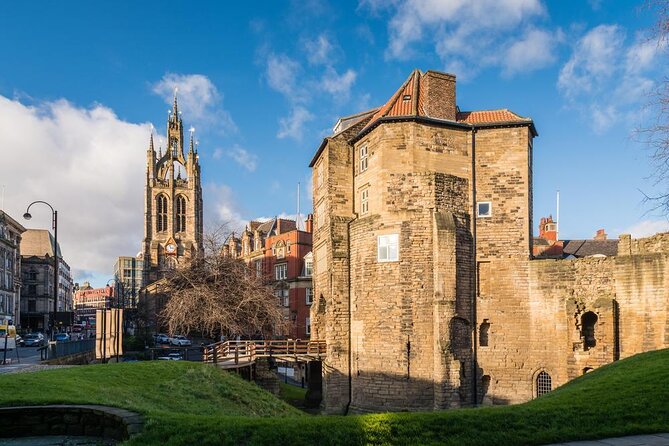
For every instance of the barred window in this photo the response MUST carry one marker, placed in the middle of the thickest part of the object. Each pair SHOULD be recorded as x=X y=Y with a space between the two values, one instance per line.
x=161 y=213
x=543 y=383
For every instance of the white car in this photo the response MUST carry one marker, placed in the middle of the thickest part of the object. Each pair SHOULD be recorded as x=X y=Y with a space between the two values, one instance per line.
x=171 y=357
x=181 y=341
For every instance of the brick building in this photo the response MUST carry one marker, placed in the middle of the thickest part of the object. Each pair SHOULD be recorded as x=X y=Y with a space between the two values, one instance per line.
x=280 y=252
x=88 y=299
x=10 y=270
x=426 y=290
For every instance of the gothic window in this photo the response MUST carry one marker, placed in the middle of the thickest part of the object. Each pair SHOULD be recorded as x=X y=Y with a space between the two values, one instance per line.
x=544 y=384
x=181 y=214
x=588 y=321
x=161 y=213
x=483 y=333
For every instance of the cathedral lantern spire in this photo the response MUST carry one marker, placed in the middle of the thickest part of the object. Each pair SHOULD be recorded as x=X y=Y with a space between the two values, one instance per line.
x=175 y=108
x=191 y=149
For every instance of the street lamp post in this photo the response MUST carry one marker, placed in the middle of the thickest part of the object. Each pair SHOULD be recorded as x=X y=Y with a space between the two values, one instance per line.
x=54 y=214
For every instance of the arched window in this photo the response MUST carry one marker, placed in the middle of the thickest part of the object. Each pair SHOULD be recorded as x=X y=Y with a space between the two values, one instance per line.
x=483 y=333
x=161 y=213
x=181 y=214
x=544 y=384
x=588 y=321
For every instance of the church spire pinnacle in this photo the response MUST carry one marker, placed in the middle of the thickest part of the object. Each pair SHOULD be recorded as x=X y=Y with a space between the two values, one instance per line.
x=151 y=143
x=192 y=132
x=175 y=108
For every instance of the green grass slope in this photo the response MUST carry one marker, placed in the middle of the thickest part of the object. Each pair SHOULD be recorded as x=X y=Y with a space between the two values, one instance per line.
x=628 y=397
x=154 y=387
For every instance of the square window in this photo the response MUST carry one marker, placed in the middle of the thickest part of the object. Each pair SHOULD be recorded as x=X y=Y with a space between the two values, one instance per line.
x=388 y=248
x=484 y=209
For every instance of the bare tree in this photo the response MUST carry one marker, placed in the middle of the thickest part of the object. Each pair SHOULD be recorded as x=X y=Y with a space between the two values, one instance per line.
x=655 y=133
x=217 y=295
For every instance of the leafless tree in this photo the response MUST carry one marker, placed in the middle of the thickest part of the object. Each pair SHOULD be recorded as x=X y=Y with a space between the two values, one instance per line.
x=217 y=295
x=655 y=132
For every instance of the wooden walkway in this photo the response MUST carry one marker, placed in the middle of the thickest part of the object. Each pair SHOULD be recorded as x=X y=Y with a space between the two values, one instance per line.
x=236 y=354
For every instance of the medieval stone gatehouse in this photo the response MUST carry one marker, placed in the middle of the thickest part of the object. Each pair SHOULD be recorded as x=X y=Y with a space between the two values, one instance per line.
x=425 y=287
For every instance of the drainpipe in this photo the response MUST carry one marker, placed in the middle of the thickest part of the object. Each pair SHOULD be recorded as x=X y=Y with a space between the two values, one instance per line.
x=350 y=335
x=475 y=275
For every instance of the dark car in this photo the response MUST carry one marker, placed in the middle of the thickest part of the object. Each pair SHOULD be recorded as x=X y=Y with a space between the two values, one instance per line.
x=34 y=340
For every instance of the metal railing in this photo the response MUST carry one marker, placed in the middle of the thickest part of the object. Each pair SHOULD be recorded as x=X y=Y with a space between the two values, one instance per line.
x=228 y=354
x=66 y=348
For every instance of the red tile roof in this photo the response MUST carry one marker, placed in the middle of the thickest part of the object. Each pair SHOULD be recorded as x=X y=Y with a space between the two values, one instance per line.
x=489 y=116
x=409 y=101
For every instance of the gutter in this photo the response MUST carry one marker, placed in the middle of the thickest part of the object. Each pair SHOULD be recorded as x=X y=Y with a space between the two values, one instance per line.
x=475 y=274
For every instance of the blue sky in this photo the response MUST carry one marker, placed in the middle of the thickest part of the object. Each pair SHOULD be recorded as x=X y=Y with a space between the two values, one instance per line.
x=82 y=82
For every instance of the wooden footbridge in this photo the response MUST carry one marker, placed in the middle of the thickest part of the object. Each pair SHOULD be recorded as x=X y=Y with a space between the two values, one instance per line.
x=236 y=354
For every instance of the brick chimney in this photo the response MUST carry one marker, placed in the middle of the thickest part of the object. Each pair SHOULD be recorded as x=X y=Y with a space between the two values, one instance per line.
x=601 y=235
x=438 y=91
x=547 y=229
x=309 y=224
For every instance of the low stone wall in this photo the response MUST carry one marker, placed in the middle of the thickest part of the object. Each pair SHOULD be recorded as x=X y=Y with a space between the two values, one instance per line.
x=95 y=421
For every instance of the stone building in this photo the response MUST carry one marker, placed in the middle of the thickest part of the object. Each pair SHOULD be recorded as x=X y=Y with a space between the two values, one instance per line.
x=173 y=203
x=10 y=270
x=281 y=253
x=426 y=289
x=37 y=280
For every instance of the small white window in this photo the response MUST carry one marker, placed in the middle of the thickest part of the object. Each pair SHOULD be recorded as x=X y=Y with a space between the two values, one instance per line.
x=388 y=248
x=308 y=268
x=363 y=158
x=308 y=325
x=484 y=209
x=281 y=271
x=310 y=296
x=364 y=201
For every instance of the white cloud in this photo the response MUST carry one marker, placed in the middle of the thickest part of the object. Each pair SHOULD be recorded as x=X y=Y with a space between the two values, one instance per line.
x=464 y=33
x=320 y=50
x=338 y=85
x=282 y=73
x=89 y=164
x=218 y=154
x=221 y=209
x=244 y=158
x=198 y=98
x=293 y=125
x=646 y=228
x=606 y=77
x=593 y=60
x=535 y=50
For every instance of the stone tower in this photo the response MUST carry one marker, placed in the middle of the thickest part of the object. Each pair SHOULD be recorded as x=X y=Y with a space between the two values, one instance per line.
x=172 y=203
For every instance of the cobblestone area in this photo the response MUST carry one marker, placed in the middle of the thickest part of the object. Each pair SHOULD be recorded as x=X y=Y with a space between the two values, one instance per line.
x=634 y=440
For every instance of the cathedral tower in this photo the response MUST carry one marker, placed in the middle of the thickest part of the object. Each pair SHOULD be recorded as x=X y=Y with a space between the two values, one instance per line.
x=172 y=203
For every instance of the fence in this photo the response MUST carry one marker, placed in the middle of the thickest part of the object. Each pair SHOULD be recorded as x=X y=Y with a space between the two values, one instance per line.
x=66 y=348
x=230 y=354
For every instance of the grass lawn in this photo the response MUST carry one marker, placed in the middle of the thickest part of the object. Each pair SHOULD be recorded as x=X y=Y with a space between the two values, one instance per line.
x=195 y=404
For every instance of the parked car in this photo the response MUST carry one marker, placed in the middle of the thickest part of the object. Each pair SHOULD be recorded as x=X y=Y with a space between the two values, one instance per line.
x=62 y=337
x=161 y=338
x=171 y=357
x=34 y=340
x=181 y=341
x=19 y=341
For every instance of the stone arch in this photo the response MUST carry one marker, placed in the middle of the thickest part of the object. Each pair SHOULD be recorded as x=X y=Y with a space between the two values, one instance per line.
x=588 y=324
x=542 y=382
x=483 y=333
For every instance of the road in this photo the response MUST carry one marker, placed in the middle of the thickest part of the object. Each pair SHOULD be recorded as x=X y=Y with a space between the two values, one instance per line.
x=27 y=357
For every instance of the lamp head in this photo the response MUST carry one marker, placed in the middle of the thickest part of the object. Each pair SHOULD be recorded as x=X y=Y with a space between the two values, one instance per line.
x=27 y=216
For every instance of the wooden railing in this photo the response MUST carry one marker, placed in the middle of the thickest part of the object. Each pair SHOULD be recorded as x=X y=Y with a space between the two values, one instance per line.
x=229 y=354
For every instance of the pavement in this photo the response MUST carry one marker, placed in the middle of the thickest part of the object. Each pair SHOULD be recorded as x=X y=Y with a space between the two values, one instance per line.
x=634 y=440
x=56 y=440
x=28 y=360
